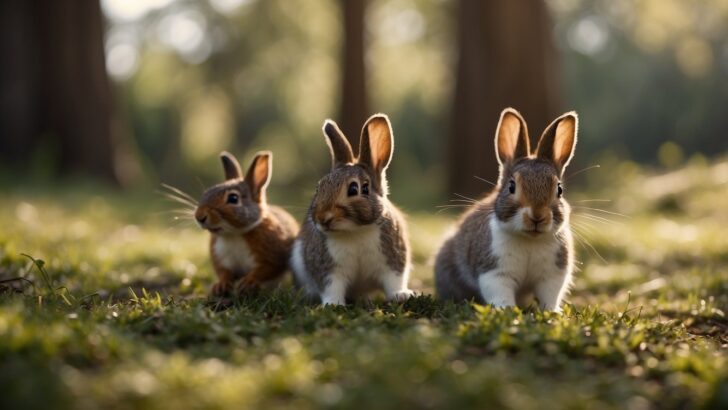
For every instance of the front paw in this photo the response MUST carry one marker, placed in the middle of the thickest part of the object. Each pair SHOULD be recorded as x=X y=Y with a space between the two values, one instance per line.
x=332 y=301
x=246 y=285
x=402 y=295
x=220 y=289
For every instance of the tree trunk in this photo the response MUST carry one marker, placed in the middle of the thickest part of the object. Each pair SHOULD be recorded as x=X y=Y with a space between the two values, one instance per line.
x=507 y=59
x=354 y=109
x=18 y=81
x=59 y=46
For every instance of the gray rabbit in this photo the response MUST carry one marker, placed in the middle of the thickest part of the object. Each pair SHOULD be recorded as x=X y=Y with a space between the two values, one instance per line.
x=353 y=239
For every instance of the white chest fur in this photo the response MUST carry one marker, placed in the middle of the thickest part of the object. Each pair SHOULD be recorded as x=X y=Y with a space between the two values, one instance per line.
x=525 y=259
x=358 y=254
x=232 y=252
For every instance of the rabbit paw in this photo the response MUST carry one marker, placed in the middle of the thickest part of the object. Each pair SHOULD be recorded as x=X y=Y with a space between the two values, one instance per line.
x=246 y=285
x=221 y=289
x=402 y=295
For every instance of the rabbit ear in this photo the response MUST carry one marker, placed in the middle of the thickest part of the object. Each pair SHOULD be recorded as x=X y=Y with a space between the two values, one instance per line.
x=230 y=165
x=511 y=137
x=259 y=173
x=339 y=146
x=376 y=143
x=558 y=140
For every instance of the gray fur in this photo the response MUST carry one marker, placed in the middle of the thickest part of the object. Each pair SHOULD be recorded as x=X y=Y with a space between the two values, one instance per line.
x=316 y=256
x=362 y=209
x=465 y=255
x=394 y=240
x=468 y=253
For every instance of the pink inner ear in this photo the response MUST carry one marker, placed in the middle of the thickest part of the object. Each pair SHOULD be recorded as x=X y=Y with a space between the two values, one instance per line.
x=508 y=136
x=564 y=141
x=380 y=150
x=380 y=143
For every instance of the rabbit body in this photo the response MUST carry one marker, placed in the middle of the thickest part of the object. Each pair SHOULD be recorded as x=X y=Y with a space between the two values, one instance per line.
x=359 y=262
x=501 y=268
x=353 y=239
x=250 y=241
x=516 y=242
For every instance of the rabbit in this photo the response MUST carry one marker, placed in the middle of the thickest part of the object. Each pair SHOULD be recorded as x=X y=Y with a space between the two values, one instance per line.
x=516 y=242
x=353 y=240
x=250 y=241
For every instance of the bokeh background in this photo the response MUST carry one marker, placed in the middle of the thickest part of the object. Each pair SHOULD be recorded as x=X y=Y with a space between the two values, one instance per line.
x=104 y=281
x=159 y=87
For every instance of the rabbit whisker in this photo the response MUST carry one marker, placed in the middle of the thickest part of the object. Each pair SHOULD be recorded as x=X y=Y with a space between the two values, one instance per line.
x=453 y=206
x=449 y=207
x=582 y=170
x=463 y=197
x=176 y=212
x=591 y=200
x=467 y=201
x=596 y=218
x=483 y=179
x=602 y=210
x=180 y=193
x=592 y=230
x=180 y=200
x=583 y=241
x=199 y=182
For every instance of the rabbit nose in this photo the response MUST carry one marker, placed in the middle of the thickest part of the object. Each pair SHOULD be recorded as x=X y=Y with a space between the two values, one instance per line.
x=325 y=219
x=201 y=218
x=537 y=221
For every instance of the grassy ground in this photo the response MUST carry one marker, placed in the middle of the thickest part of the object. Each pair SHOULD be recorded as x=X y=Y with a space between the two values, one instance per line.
x=113 y=314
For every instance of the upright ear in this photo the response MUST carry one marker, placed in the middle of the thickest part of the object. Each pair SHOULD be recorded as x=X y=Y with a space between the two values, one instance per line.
x=259 y=173
x=339 y=146
x=230 y=165
x=511 y=137
x=558 y=140
x=376 y=144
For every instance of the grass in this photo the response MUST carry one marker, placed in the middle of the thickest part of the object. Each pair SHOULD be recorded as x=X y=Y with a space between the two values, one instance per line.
x=111 y=313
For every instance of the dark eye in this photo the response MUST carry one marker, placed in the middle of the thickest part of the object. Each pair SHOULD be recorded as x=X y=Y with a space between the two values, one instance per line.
x=365 y=189
x=353 y=189
x=233 y=198
x=559 y=190
x=512 y=186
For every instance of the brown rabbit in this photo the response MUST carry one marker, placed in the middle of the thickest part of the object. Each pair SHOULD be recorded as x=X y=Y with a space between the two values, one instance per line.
x=353 y=239
x=517 y=240
x=250 y=240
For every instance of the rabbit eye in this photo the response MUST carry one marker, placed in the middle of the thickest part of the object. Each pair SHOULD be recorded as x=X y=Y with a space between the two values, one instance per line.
x=365 y=189
x=233 y=198
x=559 y=190
x=353 y=189
x=512 y=186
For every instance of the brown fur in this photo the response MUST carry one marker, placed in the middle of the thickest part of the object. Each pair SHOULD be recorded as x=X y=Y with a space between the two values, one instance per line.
x=268 y=231
x=270 y=244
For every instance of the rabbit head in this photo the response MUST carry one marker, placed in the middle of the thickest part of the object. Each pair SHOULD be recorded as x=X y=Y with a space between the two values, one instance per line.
x=529 y=196
x=353 y=193
x=237 y=205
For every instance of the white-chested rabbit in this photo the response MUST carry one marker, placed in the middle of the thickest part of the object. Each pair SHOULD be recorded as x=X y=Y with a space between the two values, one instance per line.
x=517 y=240
x=250 y=241
x=353 y=239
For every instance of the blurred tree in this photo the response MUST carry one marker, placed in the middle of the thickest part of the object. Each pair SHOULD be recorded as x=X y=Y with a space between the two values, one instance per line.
x=507 y=58
x=354 y=109
x=58 y=91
